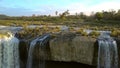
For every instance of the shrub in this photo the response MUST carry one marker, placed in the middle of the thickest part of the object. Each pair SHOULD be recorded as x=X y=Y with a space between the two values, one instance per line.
x=115 y=33
x=95 y=28
x=84 y=34
x=81 y=32
x=56 y=29
x=71 y=29
x=94 y=34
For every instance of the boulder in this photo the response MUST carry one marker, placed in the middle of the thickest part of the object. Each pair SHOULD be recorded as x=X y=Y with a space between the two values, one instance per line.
x=83 y=49
x=72 y=48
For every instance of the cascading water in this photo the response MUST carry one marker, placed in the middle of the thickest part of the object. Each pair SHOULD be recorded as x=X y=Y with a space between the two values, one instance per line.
x=9 y=53
x=107 y=53
x=41 y=42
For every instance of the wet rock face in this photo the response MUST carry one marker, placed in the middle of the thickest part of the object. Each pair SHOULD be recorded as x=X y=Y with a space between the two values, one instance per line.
x=61 y=48
x=23 y=47
x=39 y=53
x=72 y=48
x=118 y=46
x=66 y=47
x=83 y=49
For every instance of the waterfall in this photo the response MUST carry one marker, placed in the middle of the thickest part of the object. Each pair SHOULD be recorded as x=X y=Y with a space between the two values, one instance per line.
x=107 y=53
x=9 y=53
x=41 y=41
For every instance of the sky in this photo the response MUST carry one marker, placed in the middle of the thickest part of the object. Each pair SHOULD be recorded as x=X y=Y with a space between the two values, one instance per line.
x=46 y=7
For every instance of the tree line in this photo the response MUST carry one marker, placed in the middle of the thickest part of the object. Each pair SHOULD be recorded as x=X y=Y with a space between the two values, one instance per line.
x=66 y=16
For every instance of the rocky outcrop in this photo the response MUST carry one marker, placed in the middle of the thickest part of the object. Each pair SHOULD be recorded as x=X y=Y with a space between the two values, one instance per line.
x=118 y=46
x=67 y=47
x=73 y=48
x=23 y=52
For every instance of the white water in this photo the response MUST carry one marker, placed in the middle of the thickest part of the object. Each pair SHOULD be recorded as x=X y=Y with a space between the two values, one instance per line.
x=31 y=49
x=108 y=53
x=9 y=53
x=32 y=45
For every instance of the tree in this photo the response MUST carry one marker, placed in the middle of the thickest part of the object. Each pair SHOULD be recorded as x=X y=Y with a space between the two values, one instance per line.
x=2 y=16
x=49 y=15
x=67 y=13
x=99 y=15
x=64 y=14
x=56 y=13
x=33 y=15
x=117 y=15
x=109 y=15
x=82 y=15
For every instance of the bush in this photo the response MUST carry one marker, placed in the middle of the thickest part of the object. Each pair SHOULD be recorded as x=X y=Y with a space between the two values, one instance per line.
x=94 y=34
x=81 y=32
x=56 y=29
x=115 y=33
x=71 y=29
x=84 y=34
x=95 y=28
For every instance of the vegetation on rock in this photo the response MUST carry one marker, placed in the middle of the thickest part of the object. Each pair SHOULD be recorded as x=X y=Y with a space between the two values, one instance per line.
x=94 y=34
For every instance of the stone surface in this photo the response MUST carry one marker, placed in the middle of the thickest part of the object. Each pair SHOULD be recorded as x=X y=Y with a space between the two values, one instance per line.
x=67 y=48
x=23 y=52
x=83 y=49
x=118 y=46
x=72 y=48
x=61 y=49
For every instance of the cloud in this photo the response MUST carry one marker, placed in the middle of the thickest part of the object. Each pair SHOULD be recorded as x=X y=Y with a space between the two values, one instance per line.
x=87 y=9
x=106 y=6
x=76 y=7
x=73 y=7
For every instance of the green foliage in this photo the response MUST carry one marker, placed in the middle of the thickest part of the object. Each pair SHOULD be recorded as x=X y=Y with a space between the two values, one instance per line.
x=95 y=28
x=71 y=29
x=56 y=29
x=82 y=15
x=104 y=15
x=106 y=20
x=29 y=33
x=115 y=33
x=94 y=33
x=99 y=15
x=81 y=32
x=64 y=14
x=56 y=13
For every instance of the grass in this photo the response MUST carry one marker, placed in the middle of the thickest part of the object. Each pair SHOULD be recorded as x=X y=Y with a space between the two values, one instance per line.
x=27 y=33
x=112 y=26
x=22 y=23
